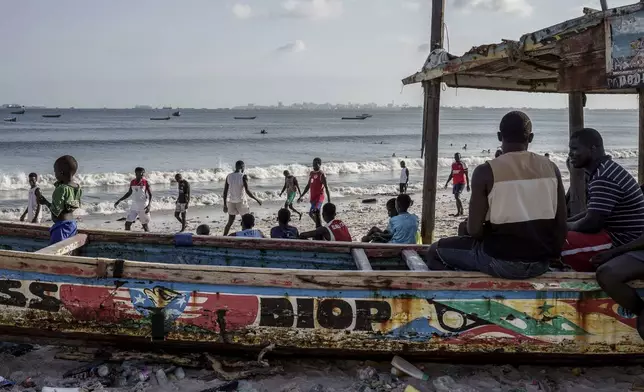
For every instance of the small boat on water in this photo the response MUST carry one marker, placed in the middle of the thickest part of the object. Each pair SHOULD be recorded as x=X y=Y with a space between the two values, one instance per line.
x=159 y=118
x=210 y=293
x=366 y=115
x=263 y=132
x=176 y=114
x=21 y=111
x=354 y=118
x=245 y=117
x=11 y=119
x=51 y=115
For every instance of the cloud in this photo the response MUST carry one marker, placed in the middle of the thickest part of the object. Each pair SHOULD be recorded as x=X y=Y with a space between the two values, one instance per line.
x=292 y=47
x=423 y=48
x=242 y=11
x=411 y=5
x=518 y=7
x=312 y=9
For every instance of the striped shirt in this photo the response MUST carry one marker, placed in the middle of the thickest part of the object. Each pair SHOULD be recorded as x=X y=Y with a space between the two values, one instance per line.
x=615 y=194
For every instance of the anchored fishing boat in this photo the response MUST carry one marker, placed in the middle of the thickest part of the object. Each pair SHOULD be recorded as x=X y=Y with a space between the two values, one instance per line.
x=163 y=290
x=245 y=117
x=159 y=118
x=10 y=119
x=51 y=115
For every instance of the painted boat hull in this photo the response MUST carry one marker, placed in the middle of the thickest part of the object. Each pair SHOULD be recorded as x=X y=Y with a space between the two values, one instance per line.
x=93 y=299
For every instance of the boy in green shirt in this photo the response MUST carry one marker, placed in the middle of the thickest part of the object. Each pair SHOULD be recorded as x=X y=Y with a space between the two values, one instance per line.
x=65 y=199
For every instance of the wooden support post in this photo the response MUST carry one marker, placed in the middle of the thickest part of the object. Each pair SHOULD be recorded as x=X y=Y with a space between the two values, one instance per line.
x=361 y=259
x=577 y=176
x=604 y=4
x=640 y=150
x=431 y=111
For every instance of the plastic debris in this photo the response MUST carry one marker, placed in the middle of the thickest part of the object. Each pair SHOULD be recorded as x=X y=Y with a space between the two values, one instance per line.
x=5 y=383
x=409 y=388
x=162 y=379
x=447 y=384
x=408 y=368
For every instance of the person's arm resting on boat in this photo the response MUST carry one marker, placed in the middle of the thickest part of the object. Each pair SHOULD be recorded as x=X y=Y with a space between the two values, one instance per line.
x=482 y=179
x=320 y=233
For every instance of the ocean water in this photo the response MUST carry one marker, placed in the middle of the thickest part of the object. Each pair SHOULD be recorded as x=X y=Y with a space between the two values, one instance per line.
x=204 y=144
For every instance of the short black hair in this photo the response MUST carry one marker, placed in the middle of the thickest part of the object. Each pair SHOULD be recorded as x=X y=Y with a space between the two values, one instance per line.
x=283 y=216
x=203 y=229
x=32 y=174
x=239 y=163
x=67 y=164
x=139 y=170
x=516 y=127
x=329 y=209
x=317 y=160
x=248 y=220
x=402 y=163
x=404 y=202
x=391 y=203
x=588 y=137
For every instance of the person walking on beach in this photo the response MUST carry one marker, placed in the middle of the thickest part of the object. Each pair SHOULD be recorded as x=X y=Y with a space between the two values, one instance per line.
x=404 y=177
x=334 y=230
x=32 y=212
x=183 y=199
x=292 y=188
x=318 y=186
x=140 y=188
x=237 y=188
x=460 y=178
x=64 y=201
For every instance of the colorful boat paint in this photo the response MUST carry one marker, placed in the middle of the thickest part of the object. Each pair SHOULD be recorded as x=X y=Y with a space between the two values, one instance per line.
x=389 y=309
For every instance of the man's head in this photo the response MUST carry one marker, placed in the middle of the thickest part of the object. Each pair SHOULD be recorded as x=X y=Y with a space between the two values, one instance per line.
x=178 y=177
x=547 y=155
x=391 y=207
x=287 y=173
x=239 y=166
x=317 y=163
x=65 y=168
x=283 y=216
x=403 y=202
x=139 y=172
x=586 y=147
x=457 y=157
x=402 y=164
x=328 y=212
x=203 y=229
x=33 y=179
x=247 y=221
x=516 y=130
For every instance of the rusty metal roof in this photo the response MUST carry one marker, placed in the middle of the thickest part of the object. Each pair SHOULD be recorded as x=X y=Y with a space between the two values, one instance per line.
x=569 y=56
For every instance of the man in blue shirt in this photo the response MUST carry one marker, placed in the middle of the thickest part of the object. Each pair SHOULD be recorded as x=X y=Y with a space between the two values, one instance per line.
x=284 y=230
x=403 y=227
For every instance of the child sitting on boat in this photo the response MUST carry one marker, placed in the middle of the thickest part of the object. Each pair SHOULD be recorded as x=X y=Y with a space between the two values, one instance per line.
x=284 y=230
x=334 y=230
x=64 y=201
x=248 y=230
x=203 y=229
x=403 y=227
x=378 y=235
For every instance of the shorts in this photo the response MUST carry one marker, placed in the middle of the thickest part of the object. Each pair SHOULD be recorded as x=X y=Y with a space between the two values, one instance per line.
x=290 y=198
x=144 y=217
x=467 y=254
x=457 y=189
x=62 y=230
x=316 y=206
x=579 y=248
x=181 y=207
x=240 y=208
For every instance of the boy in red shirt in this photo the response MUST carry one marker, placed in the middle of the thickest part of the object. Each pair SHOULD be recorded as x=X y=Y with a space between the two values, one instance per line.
x=334 y=230
x=460 y=177
x=317 y=185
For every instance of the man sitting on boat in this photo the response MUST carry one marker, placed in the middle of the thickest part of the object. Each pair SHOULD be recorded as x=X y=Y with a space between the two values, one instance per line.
x=615 y=207
x=378 y=235
x=517 y=217
x=334 y=230
x=248 y=228
x=284 y=230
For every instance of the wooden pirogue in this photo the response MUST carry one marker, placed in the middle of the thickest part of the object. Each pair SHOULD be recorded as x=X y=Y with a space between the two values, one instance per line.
x=243 y=294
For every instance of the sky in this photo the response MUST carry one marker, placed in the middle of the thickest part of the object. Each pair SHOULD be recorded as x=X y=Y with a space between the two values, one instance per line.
x=222 y=53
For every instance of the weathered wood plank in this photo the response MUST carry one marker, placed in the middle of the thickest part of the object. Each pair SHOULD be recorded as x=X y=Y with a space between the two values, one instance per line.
x=414 y=261
x=361 y=259
x=66 y=246
x=577 y=176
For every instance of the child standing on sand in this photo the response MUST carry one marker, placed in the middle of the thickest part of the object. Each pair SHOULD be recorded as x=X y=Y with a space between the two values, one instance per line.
x=64 y=201
x=292 y=188
x=32 y=212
